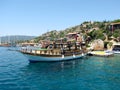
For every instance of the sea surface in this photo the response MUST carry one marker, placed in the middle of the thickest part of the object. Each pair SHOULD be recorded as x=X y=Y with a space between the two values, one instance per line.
x=90 y=73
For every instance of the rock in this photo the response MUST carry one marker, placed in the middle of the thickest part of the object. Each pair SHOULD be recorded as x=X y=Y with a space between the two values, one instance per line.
x=98 y=44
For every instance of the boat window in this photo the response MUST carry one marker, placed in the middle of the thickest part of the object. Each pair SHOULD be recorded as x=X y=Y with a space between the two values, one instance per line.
x=50 y=46
x=117 y=46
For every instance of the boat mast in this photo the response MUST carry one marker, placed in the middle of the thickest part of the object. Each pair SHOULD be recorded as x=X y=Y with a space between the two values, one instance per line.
x=8 y=40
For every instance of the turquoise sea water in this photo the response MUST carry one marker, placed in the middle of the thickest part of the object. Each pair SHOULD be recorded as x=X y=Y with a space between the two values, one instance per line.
x=90 y=73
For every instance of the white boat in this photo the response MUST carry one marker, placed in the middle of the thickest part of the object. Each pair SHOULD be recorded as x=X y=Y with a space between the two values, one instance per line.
x=101 y=53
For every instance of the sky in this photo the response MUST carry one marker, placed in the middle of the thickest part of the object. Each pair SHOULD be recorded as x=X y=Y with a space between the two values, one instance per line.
x=36 y=17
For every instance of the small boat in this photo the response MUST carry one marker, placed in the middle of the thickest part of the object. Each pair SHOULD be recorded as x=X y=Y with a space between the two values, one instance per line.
x=116 y=48
x=101 y=53
x=50 y=55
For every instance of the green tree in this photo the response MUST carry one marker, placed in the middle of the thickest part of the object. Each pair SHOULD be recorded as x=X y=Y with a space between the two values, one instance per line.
x=116 y=33
x=97 y=34
x=115 y=21
x=61 y=34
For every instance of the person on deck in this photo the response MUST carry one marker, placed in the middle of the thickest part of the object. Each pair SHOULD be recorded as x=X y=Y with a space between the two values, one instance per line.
x=54 y=45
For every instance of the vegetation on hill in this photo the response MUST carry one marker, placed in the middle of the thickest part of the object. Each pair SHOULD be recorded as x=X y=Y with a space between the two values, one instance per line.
x=90 y=30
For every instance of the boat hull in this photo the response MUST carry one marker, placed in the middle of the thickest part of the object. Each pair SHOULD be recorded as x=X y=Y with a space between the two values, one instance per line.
x=116 y=52
x=34 y=58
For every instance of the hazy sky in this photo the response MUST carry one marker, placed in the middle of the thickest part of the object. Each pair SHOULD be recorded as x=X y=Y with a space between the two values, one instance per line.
x=35 y=17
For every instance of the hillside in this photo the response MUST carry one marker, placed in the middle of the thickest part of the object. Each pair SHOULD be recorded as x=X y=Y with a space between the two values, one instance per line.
x=15 y=38
x=95 y=30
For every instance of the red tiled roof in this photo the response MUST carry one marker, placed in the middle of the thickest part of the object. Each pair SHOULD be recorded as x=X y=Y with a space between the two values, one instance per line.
x=115 y=23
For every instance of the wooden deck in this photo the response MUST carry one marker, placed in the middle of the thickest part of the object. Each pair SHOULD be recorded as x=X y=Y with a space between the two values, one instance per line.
x=51 y=52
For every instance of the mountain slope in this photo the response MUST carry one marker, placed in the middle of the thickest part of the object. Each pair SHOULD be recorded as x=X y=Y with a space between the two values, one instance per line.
x=95 y=30
x=15 y=38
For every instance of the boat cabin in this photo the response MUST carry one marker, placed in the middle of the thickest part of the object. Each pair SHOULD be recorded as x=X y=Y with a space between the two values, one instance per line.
x=116 y=48
x=56 y=49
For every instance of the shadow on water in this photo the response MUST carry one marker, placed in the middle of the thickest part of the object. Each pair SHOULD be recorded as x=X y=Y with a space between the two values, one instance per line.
x=54 y=66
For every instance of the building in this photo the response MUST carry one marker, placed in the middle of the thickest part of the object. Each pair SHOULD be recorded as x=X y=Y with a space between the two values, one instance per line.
x=72 y=36
x=75 y=37
x=114 y=26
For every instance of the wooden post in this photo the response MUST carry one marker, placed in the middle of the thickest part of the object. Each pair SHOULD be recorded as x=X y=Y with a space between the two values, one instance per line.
x=112 y=29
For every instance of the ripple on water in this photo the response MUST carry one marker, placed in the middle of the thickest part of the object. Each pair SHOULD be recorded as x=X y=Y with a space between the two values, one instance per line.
x=92 y=73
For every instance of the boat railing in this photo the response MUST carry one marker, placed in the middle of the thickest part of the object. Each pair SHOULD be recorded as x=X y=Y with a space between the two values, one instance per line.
x=42 y=51
x=37 y=51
